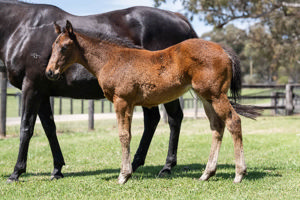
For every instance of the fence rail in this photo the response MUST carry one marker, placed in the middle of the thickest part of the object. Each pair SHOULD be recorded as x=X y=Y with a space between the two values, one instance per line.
x=106 y=106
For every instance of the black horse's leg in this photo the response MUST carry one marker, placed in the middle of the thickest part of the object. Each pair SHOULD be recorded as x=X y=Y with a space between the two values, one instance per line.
x=30 y=105
x=151 y=119
x=175 y=116
x=46 y=117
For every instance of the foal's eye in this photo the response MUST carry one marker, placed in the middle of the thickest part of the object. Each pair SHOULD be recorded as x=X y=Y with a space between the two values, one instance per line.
x=63 y=49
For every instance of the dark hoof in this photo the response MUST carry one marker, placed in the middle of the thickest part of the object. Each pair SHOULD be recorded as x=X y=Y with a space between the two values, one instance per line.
x=56 y=176
x=164 y=172
x=11 y=180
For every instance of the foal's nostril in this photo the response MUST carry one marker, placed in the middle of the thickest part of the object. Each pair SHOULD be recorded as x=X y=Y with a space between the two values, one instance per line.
x=49 y=74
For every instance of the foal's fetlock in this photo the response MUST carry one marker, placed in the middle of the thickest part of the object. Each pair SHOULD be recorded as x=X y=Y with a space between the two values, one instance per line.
x=123 y=177
x=206 y=175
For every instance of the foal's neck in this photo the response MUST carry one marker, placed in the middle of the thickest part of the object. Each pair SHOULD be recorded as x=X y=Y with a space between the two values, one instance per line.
x=97 y=53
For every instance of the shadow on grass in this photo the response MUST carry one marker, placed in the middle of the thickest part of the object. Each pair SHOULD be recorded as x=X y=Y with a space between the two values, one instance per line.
x=193 y=171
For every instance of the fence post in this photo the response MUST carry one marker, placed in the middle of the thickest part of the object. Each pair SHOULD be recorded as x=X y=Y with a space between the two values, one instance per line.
x=71 y=106
x=102 y=105
x=110 y=107
x=3 y=100
x=274 y=102
x=289 y=107
x=82 y=106
x=91 y=115
x=196 y=107
x=60 y=105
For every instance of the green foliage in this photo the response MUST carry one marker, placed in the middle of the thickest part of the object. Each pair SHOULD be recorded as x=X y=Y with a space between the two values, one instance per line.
x=272 y=42
x=93 y=161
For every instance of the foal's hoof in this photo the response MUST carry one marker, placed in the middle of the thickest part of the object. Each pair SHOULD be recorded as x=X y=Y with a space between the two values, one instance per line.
x=56 y=176
x=123 y=178
x=238 y=178
x=205 y=176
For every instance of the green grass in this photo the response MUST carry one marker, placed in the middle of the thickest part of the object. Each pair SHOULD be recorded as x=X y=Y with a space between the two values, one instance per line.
x=272 y=151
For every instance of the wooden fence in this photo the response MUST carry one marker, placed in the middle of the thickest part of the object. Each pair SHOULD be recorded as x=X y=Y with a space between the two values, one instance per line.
x=282 y=100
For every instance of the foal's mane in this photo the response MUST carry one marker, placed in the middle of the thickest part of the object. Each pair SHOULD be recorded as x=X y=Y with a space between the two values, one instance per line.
x=111 y=39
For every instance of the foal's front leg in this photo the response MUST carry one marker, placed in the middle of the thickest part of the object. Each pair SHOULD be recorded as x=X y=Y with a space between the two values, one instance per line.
x=124 y=113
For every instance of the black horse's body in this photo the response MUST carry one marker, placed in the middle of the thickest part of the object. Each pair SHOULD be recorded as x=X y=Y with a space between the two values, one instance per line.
x=25 y=52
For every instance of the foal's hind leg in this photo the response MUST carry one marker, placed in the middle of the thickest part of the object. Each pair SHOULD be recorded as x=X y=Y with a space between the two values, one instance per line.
x=217 y=126
x=124 y=113
x=226 y=112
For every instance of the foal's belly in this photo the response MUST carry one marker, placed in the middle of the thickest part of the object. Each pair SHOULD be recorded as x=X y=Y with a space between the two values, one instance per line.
x=145 y=94
x=143 y=85
x=156 y=96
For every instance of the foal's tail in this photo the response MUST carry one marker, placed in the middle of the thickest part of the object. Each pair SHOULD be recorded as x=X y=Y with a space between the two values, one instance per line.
x=248 y=111
x=236 y=86
x=236 y=80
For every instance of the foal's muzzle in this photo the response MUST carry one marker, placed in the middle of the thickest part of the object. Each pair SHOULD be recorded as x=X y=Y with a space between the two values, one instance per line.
x=52 y=76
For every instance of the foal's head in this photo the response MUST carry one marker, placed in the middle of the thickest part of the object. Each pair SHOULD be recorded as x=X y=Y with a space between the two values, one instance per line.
x=65 y=52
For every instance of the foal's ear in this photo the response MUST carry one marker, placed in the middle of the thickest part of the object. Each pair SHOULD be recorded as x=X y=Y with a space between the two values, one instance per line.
x=69 y=27
x=57 y=28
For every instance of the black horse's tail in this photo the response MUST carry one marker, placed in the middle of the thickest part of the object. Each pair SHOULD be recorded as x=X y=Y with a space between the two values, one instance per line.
x=236 y=86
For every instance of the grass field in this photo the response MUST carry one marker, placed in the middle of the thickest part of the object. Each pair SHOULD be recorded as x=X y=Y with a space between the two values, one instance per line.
x=272 y=151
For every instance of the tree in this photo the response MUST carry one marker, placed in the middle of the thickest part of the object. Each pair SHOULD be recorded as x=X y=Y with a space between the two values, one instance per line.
x=272 y=43
x=233 y=37
x=221 y=12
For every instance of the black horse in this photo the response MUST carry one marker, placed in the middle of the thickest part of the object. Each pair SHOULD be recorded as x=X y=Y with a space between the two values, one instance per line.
x=26 y=35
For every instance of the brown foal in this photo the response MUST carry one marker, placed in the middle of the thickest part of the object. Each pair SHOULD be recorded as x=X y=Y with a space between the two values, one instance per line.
x=131 y=76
